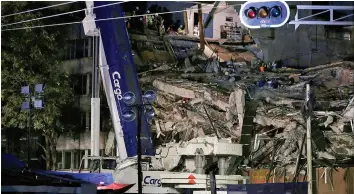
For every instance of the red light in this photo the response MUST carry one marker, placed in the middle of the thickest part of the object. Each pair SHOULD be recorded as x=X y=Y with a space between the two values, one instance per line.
x=251 y=13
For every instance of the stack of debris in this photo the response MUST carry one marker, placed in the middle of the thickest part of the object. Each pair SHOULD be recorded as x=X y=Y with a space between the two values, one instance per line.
x=203 y=96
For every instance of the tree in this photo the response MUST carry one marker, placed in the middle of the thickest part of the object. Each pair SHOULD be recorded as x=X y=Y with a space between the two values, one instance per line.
x=29 y=57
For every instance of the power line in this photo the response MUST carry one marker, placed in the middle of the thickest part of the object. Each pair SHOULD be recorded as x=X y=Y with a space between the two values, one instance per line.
x=228 y=7
x=39 y=9
x=106 y=19
x=60 y=14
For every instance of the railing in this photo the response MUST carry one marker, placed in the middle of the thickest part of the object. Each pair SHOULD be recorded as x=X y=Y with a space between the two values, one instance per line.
x=332 y=21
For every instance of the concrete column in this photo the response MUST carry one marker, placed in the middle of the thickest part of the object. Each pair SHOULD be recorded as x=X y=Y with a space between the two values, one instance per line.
x=199 y=161
x=245 y=181
x=72 y=160
x=222 y=165
x=86 y=160
x=63 y=159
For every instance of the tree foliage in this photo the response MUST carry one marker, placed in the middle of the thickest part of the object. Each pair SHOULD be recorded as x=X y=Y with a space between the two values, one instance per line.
x=29 y=57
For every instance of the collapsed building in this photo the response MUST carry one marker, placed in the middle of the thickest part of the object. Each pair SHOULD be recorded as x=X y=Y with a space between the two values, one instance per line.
x=226 y=91
x=221 y=93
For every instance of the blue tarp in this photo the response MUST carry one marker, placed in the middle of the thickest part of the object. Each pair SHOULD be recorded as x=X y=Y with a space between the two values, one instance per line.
x=94 y=178
x=9 y=162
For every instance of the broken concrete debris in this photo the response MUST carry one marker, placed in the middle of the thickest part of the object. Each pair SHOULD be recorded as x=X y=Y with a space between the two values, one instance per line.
x=203 y=96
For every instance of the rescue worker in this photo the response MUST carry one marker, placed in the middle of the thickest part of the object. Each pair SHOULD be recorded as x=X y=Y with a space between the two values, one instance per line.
x=180 y=31
x=150 y=19
x=162 y=27
x=127 y=20
x=159 y=24
x=145 y=21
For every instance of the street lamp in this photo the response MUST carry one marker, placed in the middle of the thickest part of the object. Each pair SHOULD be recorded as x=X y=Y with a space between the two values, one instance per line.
x=31 y=101
x=129 y=114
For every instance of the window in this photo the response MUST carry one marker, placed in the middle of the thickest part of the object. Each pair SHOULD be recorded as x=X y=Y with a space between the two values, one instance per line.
x=95 y=166
x=59 y=159
x=87 y=45
x=195 y=22
x=109 y=164
x=83 y=120
x=229 y=19
x=67 y=159
x=88 y=83
x=77 y=159
x=76 y=49
x=80 y=48
x=80 y=84
x=347 y=36
x=338 y=33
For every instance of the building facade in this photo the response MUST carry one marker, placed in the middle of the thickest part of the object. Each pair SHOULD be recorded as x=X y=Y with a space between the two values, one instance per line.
x=224 y=21
x=78 y=62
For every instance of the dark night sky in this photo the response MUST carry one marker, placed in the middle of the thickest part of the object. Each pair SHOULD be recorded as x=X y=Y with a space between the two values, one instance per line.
x=173 y=6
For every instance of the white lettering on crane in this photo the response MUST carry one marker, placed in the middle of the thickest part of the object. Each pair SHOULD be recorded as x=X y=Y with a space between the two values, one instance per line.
x=117 y=91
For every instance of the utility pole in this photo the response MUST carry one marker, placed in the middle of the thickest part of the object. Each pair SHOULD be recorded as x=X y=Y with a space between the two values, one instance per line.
x=308 y=139
x=201 y=28
x=130 y=115
x=29 y=131
x=140 y=170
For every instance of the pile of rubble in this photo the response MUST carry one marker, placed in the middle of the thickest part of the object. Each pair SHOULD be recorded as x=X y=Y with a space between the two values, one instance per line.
x=206 y=96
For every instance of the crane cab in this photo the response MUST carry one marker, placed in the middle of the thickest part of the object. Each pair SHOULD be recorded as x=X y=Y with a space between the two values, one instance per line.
x=98 y=164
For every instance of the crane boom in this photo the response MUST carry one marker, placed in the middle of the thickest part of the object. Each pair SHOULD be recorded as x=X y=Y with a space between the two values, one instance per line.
x=119 y=76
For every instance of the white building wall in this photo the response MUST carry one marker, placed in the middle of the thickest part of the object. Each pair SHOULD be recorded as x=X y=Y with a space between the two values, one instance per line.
x=220 y=19
x=224 y=10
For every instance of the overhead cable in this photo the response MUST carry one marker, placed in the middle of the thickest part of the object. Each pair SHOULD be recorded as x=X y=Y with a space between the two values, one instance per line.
x=105 y=19
x=56 y=5
x=60 y=14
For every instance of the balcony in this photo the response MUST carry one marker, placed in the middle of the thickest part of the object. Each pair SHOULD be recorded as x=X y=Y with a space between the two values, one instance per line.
x=85 y=103
x=78 y=66
x=81 y=143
